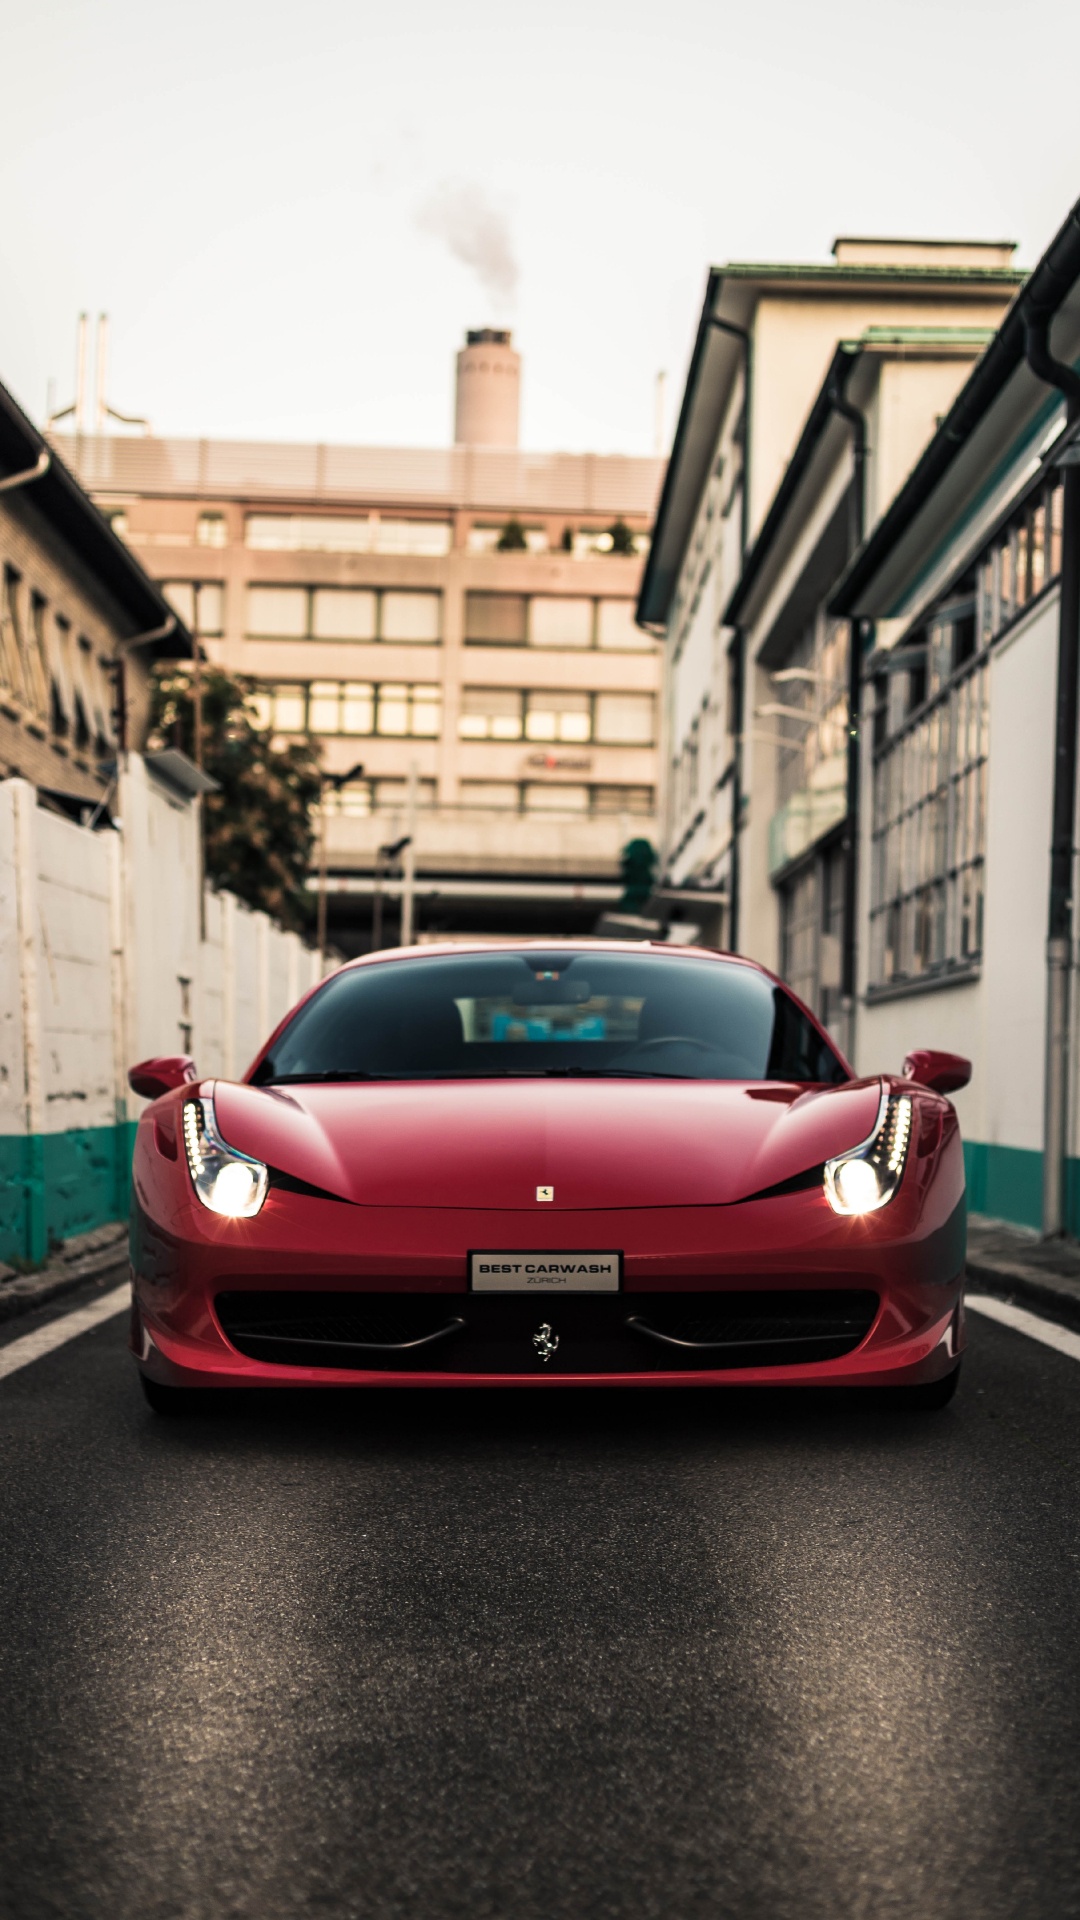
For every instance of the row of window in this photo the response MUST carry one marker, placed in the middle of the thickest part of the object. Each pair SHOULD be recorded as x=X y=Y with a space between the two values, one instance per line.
x=412 y=616
x=571 y=718
x=53 y=673
x=487 y=713
x=362 y=797
x=549 y=620
x=351 y=707
x=931 y=736
x=376 y=533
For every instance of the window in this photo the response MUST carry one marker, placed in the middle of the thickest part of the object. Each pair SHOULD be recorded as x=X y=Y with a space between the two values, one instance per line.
x=61 y=679
x=617 y=630
x=624 y=719
x=1023 y=558
x=278 y=613
x=344 y=613
x=409 y=710
x=486 y=539
x=495 y=619
x=430 y=537
x=345 y=533
x=565 y=717
x=560 y=622
x=211 y=530
x=410 y=616
x=359 y=798
x=622 y=800
x=37 y=673
x=929 y=822
x=490 y=713
x=11 y=668
x=200 y=604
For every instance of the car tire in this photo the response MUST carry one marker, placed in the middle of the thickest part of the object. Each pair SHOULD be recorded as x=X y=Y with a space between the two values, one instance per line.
x=926 y=1399
x=169 y=1400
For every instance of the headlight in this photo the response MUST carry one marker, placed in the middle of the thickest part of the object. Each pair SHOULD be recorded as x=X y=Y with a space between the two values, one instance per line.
x=226 y=1181
x=869 y=1176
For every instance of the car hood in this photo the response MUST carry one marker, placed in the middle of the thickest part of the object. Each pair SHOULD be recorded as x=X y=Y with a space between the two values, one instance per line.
x=597 y=1143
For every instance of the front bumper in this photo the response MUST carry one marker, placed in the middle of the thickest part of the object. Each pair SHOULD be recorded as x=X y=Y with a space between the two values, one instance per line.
x=201 y=1285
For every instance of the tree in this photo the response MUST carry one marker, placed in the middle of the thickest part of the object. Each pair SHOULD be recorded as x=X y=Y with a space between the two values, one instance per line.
x=637 y=862
x=512 y=538
x=621 y=537
x=259 y=828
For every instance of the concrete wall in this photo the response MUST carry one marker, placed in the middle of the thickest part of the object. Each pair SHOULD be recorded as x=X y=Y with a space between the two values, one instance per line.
x=102 y=963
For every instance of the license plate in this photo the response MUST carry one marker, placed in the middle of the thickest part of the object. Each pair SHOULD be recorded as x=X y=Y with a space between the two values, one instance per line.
x=546 y=1272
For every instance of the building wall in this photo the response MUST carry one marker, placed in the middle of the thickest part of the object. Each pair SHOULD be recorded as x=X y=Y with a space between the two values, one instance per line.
x=998 y=1019
x=590 y=785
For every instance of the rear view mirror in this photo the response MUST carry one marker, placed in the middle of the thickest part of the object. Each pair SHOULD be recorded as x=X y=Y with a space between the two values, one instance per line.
x=152 y=1078
x=941 y=1072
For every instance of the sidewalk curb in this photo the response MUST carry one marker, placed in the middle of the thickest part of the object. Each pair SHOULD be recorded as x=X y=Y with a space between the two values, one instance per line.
x=86 y=1257
x=1042 y=1294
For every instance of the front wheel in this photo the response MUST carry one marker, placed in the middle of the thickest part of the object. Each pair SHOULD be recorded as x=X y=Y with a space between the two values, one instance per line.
x=169 y=1400
x=925 y=1399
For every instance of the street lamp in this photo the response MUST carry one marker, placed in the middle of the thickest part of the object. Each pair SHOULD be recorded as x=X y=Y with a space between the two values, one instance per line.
x=328 y=781
x=388 y=855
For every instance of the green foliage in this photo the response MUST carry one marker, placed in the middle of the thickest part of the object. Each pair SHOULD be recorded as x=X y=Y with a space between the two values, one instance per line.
x=259 y=829
x=512 y=538
x=622 y=539
x=637 y=863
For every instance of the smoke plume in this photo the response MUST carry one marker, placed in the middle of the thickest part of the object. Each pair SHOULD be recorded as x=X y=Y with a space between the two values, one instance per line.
x=477 y=234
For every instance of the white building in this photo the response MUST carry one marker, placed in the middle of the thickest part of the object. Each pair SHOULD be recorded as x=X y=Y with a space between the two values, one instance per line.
x=767 y=340
x=967 y=924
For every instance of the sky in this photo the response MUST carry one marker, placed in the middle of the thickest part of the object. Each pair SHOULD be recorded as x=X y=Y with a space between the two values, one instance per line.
x=291 y=212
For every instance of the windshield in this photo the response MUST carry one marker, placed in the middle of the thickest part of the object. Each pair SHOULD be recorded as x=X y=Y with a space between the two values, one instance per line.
x=488 y=1015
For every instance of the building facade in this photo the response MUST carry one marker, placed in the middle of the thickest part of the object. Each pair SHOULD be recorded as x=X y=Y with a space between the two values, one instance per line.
x=461 y=621
x=971 y=584
x=754 y=723
x=81 y=624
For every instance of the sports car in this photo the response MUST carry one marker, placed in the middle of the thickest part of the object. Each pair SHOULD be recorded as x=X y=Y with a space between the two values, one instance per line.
x=539 y=1165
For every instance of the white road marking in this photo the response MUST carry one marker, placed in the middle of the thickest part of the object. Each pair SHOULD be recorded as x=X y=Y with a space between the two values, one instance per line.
x=1060 y=1338
x=33 y=1346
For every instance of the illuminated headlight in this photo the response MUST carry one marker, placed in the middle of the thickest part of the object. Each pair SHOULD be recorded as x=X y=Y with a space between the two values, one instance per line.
x=869 y=1176
x=226 y=1181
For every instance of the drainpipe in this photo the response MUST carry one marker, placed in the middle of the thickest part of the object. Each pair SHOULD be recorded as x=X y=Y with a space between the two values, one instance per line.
x=23 y=479
x=1060 y=921
x=848 y=973
x=738 y=644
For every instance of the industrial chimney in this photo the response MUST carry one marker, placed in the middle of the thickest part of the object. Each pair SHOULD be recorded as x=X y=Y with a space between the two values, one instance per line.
x=488 y=392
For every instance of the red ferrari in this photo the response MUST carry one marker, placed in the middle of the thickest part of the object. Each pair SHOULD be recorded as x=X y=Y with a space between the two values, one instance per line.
x=577 y=1164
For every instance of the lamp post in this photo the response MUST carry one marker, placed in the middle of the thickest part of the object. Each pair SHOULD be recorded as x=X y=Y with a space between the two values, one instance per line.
x=384 y=859
x=328 y=782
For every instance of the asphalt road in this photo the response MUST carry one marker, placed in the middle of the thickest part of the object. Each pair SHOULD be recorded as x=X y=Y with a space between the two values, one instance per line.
x=544 y=1655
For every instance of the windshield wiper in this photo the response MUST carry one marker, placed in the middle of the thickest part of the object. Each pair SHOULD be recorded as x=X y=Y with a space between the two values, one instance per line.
x=610 y=1073
x=336 y=1073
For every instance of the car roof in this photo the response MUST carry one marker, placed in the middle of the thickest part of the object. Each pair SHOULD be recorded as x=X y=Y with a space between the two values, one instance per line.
x=445 y=949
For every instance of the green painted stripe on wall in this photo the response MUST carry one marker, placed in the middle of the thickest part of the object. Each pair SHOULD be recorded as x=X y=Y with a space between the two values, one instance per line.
x=54 y=1185
x=1006 y=1182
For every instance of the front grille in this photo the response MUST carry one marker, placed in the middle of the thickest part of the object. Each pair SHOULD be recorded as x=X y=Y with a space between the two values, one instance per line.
x=599 y=1333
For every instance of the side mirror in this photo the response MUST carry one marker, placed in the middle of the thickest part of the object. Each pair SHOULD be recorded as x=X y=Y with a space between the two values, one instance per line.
x=152 y=1078
x=941 y=1072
